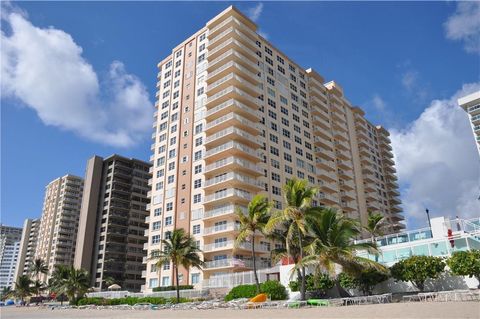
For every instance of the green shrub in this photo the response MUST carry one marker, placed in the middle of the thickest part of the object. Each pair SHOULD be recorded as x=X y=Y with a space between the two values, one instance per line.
x=417 y=269
x=465 y=263
x=274 y=290
x=321 y=282
x=168 y=288
x=294 y=285
x=365 y=281
x=346 y=281
x=242 y=291
x=129 y=301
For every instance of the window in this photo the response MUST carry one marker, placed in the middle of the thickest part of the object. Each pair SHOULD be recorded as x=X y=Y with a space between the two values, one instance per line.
x=156 y=225
x=172 y=153
x=168 y=221
x=169 y=208
x=155 y=239
x=275 y=163
x=200 y=91
x=198 y=128
x=197 y=198
x=197 y=183
x=276 y=190
x=198 y=169
x=165 y=281
x=274 y=150
x=275 y=177
x=195 y=279
x=196 y=229
x=198 y=155
x=171 y=179
x=153 y=283
x=166 y=266
x=157 y=211
x=288 y=169
x=198 y=141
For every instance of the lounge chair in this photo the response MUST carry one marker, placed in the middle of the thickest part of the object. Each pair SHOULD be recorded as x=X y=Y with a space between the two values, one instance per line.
x=318 y=302
x=294 y=301
x=256 y=302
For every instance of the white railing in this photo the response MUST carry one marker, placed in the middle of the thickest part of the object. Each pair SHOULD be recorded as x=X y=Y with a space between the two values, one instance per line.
x=230 y=102
x=239 y=278
x=235 y=53
x=228 y=193
x=231 y=176
x=233 y=160
x=230 y=64
x=230 y=116
x=224 y=210
x=229 y=145
x=221 y=228
x=231 y=76
x=231 y=130
x=188 y=293
x=230 y=244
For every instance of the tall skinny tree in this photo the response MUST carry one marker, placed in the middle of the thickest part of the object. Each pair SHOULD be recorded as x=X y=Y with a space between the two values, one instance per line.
x=374 y=225
x=298 y=198
x=258 y=214
x=181 y=250
x=39 y=267
x=23 y=287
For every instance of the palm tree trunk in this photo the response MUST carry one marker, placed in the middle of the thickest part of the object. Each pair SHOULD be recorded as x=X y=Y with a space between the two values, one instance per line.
x=255 y=265
x=302 y=283
x=178 y=287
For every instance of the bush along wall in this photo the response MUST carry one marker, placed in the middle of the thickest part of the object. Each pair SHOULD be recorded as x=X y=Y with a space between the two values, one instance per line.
x=168 y=288
x=274 y=290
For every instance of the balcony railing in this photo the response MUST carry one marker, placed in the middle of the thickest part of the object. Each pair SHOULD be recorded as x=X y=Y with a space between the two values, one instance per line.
x=230 y=116
x=237 y=78
x=229 y=145
x=221 y=228
x=233 y=160
x=236 y=65
x=233 y=176
x=226 y=104
x=224 y=210
x=228 y=193
x=233 y=52
x=231 y=130
x=230 y=244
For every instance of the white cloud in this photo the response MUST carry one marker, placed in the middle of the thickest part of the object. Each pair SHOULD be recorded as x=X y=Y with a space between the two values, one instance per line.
x=378 y=103
x=409 y=79
x=255 y=12
x=437 y=161
x=45 y=70
x=464 y=25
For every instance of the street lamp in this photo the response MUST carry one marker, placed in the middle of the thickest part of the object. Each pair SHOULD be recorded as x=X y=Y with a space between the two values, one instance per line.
x=429 y=223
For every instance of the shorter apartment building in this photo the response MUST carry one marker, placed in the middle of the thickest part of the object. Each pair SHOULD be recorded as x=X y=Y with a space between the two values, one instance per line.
x=59 y=222
x=28 y=245
x=112 y=225
x=9 y=248
x=471 y=105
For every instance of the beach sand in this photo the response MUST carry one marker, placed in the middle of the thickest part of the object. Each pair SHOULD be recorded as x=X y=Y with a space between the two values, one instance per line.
x=457 y=310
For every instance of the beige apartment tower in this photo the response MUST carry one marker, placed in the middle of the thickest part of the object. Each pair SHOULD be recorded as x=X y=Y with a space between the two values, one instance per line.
x=59 y=222
x=28 y=246
x=111 y=234
x=471 y=105
x=236 y=117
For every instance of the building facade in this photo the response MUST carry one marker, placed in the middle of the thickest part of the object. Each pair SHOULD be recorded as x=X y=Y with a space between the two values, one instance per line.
x=59 y=223
x=28 y=246
x=236 y=117
x=471 y=105
x=9 y=247
x=112 y=225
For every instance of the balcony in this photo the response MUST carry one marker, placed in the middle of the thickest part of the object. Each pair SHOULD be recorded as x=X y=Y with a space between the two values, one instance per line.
x=231 y=79
x=347 y=185
x=229 y=263
x=232 y=134
x=232 y=180
x=230 y=120
x=231 y=149
x=327 y=176
x=230 y=245
x=328 y=199
x=330 y=188
x=347 y=195
x=345 y=174
x=345 y=165
x=341 y=145
x=230 y=106
x=228 y=196
x=369 y=186
x=232 y=92
x=215 y=230
x=231 y=44
x=229 y=22
x=324 y=153
x=367 y=177
x=322 y=133
x=223 y=211
x=340 y=135
x=325 y=143
x=233 y=33
x=326 y=165
x=233 y=164
x=317 y=120
x=235 y=56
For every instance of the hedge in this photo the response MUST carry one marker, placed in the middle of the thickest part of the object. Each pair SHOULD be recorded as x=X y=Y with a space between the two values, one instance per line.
x=128 y=301
x=168 y=288
x=274 y=289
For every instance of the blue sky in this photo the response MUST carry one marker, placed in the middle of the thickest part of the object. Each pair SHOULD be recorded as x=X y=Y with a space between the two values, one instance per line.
x=402 y=62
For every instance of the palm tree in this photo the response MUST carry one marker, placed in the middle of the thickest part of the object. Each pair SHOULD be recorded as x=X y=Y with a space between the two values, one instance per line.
x=258 y=214
x=374 y=225
x=181 y=250
x=23 y=287
x=6 y=292
x=334 y=244
x=70 y=281
x=38 y=287
x=298 y=198
x=38 y=267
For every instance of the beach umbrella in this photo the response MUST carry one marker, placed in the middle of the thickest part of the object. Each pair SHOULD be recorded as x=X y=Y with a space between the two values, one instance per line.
x=114 y=287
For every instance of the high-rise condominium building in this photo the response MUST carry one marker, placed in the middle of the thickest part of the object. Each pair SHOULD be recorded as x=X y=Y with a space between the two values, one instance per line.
x=471 y=105
x=112 y=225
x=237 y=117
x=59 y=222
x=28 y=245
x=9 y=248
